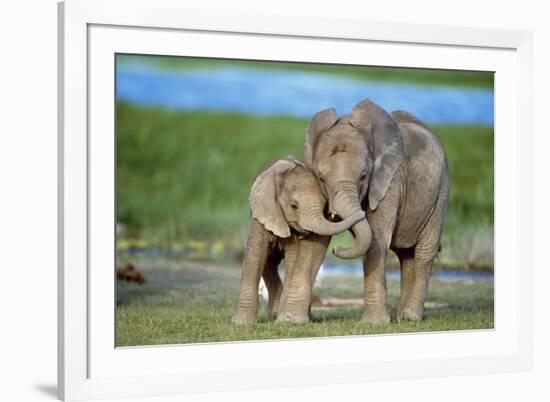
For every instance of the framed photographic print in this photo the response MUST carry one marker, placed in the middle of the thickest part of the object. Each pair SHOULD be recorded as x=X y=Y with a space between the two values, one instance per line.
x=316 y=201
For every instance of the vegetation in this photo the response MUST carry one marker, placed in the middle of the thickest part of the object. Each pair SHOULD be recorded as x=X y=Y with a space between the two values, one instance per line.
x=186 y=303
x=363 y=73
x=183 y=180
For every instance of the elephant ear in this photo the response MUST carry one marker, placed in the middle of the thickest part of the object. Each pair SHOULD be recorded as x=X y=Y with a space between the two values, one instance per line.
x=320 y=123
x=263 y=198
x=400 y=116
x=386 y=144
x=292 y=158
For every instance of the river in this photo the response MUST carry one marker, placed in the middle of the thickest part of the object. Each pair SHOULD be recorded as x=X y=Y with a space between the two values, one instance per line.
x=295 y=93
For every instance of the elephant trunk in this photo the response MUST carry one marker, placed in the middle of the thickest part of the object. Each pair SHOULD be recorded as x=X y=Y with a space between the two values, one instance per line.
x=347 y=204
x=316 y=222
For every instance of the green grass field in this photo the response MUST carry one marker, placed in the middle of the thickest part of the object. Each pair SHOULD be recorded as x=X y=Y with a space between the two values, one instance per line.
x=183 y=302
x=183 y=180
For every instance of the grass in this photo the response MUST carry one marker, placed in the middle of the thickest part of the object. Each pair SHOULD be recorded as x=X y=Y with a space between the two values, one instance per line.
x=193 y=303
x=362 y=73
x=183 y=179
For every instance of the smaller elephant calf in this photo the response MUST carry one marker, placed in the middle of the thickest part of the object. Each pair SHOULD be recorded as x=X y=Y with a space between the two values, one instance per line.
x=287 y=222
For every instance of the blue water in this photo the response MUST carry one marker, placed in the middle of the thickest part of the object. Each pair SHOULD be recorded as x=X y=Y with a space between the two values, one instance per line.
x=356 y=269
x=299 y=94
x=352 y=268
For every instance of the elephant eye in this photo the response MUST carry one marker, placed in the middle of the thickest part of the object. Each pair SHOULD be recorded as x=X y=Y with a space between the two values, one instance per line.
x=321 y=179
x=294 y=206
x=363 y=176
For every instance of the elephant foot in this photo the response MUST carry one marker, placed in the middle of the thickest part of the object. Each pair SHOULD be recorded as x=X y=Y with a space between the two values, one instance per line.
x=293 y=318
x=273 y=309
x=409 y=313
x=376 y=317
x=244 y=318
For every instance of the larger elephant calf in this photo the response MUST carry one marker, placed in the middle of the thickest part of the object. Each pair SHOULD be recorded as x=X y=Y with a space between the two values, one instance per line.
x=393 y=168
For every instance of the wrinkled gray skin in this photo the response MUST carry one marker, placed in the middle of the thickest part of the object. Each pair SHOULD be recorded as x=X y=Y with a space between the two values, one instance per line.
x=287 y=222
x=395 y=169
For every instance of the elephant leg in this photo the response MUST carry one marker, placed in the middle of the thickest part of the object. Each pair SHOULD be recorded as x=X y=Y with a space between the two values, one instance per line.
x=382 y=222
x=273 y=283
x=406 y=260
x=255 y=259
x=319 y=255
x=299 y=277
x=291 y=255
x=424 y=255
x=413 y=309
x=375 y=294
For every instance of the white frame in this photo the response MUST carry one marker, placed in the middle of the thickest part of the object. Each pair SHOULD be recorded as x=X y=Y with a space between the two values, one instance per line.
x=76 y=18
x=105 y=361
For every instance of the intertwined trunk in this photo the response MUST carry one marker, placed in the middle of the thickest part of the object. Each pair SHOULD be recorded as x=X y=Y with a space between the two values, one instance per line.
x=346 y=204
x=314 y=221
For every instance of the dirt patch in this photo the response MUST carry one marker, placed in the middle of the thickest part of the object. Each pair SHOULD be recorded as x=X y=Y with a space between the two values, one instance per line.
x=336 y=302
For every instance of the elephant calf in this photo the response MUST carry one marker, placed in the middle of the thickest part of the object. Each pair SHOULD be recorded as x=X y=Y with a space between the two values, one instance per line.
x=394 y=168
x=287 y=222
